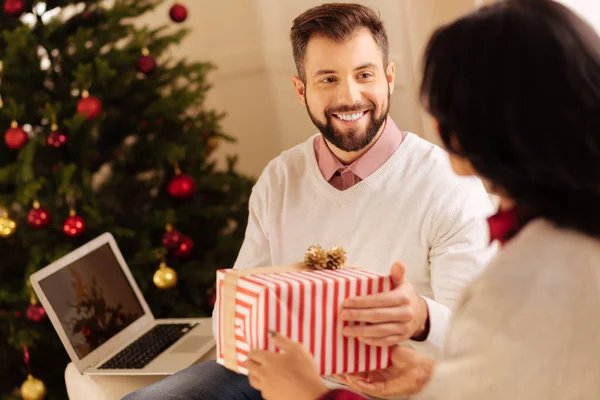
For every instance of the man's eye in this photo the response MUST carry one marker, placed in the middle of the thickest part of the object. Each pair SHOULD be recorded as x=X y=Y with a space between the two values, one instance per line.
x=328 y=80
x=365 y=75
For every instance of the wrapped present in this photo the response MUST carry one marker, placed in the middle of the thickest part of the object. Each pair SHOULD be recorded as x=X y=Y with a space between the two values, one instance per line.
x=302 y=302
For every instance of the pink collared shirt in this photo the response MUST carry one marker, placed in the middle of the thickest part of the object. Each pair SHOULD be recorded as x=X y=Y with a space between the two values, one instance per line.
x=343 y=176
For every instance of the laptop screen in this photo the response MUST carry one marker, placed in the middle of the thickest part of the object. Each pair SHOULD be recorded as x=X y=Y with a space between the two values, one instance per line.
x=93 y=299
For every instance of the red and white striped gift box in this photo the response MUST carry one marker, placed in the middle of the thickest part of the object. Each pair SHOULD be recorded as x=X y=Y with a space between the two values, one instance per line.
x=301 y=304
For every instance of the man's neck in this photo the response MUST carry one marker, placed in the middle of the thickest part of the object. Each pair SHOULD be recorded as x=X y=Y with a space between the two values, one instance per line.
x=348 y=157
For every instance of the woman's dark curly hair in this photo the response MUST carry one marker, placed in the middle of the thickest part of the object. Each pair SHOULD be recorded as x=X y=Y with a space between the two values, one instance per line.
x=517 y=85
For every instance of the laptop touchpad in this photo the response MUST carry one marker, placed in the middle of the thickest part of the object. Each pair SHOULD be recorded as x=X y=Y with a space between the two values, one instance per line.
x=190 y=344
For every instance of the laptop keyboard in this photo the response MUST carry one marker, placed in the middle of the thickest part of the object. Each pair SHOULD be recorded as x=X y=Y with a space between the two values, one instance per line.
x=147 y=347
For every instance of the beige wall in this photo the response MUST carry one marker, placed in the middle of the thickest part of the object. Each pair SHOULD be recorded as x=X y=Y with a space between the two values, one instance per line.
x=248 y=40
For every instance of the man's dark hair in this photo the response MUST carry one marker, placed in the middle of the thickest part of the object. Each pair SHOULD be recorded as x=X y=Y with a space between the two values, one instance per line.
x=515 y=87
x=337 y=21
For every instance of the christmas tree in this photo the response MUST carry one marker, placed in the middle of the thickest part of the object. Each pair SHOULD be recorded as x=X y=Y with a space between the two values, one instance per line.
x=104 y=132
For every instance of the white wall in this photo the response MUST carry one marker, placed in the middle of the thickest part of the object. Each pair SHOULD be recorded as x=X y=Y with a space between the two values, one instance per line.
x=587 y=9
x=249 y=41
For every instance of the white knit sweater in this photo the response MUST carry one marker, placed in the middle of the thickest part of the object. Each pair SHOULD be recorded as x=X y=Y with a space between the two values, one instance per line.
x=529 y=327
x=413 y=209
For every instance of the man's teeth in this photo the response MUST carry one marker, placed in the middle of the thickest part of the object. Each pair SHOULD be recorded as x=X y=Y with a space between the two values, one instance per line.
x=350 y=117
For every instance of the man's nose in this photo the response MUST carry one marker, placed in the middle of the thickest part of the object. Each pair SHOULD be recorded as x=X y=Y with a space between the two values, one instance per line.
x=348 y=93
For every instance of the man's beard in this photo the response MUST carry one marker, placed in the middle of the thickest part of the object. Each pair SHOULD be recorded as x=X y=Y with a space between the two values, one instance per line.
x=352 y=139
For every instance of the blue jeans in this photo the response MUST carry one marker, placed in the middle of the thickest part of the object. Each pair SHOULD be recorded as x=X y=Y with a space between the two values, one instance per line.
x=206 y=381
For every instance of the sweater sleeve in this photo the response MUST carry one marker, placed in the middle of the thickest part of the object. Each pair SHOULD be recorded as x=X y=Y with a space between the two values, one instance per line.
x=255 y=250
x=459 y=252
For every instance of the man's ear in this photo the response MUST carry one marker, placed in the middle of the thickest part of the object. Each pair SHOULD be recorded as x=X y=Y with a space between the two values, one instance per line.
x=300 y=88
x=390 y=74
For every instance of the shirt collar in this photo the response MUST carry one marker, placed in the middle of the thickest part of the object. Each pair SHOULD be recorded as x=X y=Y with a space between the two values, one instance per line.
x=385 y=146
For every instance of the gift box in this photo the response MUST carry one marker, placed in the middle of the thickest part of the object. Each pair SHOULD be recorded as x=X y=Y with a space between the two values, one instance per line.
x=302 y=304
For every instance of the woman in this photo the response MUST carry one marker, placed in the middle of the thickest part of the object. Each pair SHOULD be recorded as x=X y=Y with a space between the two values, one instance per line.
x=515 y=91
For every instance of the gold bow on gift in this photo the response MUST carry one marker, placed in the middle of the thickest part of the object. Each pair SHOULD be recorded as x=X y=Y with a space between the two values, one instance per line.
x=317 y=258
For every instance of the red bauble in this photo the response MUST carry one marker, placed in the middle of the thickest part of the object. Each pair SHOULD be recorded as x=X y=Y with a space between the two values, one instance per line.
x=57 y=139
x=90 y=106
x=181 y=187
x=146 y=64
x=35 y=313
x=14 y=7
x=212 y=300
x=74 y=225
x=171 y=239
x=185 y=247
x=15 y=137
x=38 y=217
x=178 y=13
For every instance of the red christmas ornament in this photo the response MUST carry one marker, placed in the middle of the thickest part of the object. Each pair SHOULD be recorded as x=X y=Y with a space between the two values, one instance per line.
x=85 y=331
x=74 y=225
x=57 y=139
x=182 y=186
x=90 y=106
x=15 y=137
x=18 y=314
x=171 y=238
x=178 y=12
x=35 y=313
x=185 y=247
x=38 y=217
x=146 y=63
x=14 y=7
x=212 y=300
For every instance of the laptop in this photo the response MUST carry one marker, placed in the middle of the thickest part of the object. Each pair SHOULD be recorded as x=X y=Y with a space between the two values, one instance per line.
x=104 y=322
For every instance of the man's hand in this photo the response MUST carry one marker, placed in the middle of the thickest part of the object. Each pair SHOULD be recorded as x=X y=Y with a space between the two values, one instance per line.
x=408 y=373
x=291 y=374
x=391 y=317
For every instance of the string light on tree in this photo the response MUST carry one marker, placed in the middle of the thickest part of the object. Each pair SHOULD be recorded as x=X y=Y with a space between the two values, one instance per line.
x=7 y=225
x=146 y=62
x=165 y=277
x=88 y=105
x=15 y=137
x=178 y=12
x=181 y=186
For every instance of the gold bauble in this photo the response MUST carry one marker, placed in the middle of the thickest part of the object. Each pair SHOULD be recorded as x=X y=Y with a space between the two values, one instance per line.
x=165 y=277
x=7 y=225
x=213 y=143
x=33 y=389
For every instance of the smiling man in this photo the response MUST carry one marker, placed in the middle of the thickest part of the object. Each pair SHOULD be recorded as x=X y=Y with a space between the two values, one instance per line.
x=383 y=194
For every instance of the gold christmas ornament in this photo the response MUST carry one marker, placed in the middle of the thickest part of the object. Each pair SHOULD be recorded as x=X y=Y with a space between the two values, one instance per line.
x=336 y=258
x=165 y=277
x=213 y=143
x=33 y=389
x=315 y=258
x=7 y=225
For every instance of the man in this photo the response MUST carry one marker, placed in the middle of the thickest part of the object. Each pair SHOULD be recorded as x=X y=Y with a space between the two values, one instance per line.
x=381 y=193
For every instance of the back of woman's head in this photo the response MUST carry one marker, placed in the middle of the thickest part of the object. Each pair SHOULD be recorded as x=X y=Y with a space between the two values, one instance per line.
x=518 y=86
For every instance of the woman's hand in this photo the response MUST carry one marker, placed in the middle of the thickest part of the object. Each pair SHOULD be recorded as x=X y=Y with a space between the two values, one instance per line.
x=408 y=373
x=286 y=375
